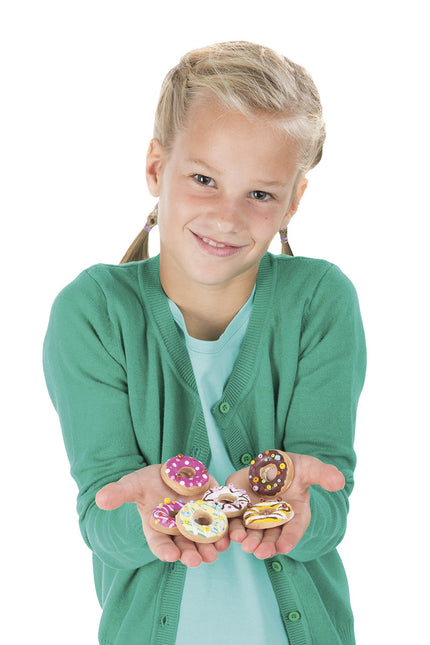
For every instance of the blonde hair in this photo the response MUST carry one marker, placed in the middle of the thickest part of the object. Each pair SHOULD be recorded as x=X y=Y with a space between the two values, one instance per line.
x=248 y=78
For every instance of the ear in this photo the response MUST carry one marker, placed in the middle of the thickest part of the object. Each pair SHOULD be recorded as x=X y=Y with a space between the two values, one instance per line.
x=295 y=201
x=154 y=165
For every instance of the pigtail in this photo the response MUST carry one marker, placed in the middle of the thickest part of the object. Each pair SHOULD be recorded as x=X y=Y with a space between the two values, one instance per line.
x=286 y=248
x=138 y=249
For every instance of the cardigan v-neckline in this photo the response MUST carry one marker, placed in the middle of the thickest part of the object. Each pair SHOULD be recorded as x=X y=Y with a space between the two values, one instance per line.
x=165 y=325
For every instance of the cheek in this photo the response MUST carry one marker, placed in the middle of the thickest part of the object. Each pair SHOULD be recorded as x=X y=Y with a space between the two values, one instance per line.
x=182 y=192
x=266 y=224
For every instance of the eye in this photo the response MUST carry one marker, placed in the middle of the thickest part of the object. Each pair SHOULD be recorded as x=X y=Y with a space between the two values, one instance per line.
x=260 y=195
x=203 y=180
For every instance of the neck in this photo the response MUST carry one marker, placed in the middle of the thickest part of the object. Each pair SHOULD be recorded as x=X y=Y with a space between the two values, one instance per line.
x=208 y=310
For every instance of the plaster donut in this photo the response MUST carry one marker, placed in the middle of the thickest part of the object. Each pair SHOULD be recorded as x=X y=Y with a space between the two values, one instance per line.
x=201 y=522
x=271 y=473
x=233 y=501
x=185 y=475
x=163 y=518
x=267 y=515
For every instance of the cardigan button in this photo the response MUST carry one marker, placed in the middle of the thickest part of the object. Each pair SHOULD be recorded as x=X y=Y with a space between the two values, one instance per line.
x=276 y=566
x=246 y=459
x=224 y=407
x=294 y=616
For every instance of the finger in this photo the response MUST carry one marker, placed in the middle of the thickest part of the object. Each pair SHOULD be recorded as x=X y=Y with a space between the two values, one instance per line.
x=290 y=535
x=267 y=548
x=110 y=497
x=222 y=544
x=237 y=531
x=117 y=493
x=310 y=471
x=162 y=546
x=207 y=552
x=189 y=552
x=252 y=540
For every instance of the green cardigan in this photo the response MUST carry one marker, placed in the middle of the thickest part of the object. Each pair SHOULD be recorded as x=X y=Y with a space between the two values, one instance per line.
x=120 y=377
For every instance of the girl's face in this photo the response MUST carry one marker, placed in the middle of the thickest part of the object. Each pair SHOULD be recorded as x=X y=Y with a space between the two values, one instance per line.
x=225 y=189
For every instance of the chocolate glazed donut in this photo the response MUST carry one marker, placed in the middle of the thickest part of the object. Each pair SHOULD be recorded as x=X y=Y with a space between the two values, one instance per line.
x=271 y=473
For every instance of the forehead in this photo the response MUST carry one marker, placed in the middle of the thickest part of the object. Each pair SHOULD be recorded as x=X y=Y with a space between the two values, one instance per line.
x=215 y=132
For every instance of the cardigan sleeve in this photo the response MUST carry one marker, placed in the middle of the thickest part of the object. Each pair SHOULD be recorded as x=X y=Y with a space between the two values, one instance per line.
x=322 y=413
x=87 y=382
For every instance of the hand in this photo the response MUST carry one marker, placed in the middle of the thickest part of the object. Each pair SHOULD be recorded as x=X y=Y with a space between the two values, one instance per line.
x=146 y=489
x=309 y=471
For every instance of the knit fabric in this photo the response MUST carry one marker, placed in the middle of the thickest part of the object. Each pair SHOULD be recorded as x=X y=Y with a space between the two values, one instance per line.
x=122 y=382
x=250 y=592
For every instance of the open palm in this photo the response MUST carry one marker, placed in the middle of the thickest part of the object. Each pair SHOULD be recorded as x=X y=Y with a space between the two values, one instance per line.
x=267 y=543
x=146 y=489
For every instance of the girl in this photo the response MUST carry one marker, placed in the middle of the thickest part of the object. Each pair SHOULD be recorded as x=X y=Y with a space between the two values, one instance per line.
x=218 y=350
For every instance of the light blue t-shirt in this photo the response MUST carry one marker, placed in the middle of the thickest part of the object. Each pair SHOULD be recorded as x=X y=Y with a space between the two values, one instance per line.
x=231 y=599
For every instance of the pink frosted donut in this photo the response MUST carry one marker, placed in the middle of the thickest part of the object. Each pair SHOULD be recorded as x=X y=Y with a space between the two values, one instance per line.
x=163 y=517
x=185 y=475
x=233 y=501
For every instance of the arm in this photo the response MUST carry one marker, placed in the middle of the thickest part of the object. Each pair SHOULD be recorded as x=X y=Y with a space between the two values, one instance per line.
x=87 y=381
x=86 y=375
x=319 y=428
x=321 y=418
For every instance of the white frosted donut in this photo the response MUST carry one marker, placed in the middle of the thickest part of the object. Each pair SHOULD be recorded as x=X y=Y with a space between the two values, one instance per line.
x=201 y=522
x=233 y=501
x=267 y=515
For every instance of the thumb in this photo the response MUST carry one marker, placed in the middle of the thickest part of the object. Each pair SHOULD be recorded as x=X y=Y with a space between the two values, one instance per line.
x=332 y=479
x=118 y=493
x=314 y=472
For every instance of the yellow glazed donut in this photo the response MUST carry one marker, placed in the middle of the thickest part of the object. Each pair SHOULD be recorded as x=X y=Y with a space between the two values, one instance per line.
x=267 y=515
x=201 y=522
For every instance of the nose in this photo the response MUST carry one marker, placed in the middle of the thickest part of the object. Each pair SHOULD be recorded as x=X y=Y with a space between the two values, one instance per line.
x=228 y=215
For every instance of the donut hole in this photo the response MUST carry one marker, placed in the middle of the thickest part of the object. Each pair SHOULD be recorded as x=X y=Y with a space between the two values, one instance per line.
x=173 y=514
x=269 y=473
x=204 y=519
x=226 y=498
x=186 y=473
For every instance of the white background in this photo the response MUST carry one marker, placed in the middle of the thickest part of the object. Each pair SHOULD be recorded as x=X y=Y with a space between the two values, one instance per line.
x=79 y=83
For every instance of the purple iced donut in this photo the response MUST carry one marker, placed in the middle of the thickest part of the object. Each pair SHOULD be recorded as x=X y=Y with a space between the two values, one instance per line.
x=163 y=517
x=185 y=475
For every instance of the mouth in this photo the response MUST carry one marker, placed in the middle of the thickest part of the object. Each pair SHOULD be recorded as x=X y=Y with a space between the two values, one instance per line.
x=216 y=247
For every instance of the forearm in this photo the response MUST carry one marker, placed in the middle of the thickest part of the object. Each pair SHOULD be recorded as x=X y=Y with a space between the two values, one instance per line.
x=321 y=419
x=327 y=526
x=87 y=380
x=116 y=537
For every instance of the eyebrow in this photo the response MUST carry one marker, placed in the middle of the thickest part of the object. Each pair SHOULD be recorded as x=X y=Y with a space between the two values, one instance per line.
x=200 y=162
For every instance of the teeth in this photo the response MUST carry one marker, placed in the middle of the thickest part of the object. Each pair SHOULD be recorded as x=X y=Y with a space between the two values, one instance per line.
x=212 y=243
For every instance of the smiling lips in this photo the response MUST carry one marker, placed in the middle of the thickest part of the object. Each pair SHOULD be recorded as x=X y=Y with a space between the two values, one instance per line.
x=214 y=247
x=217 y=245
